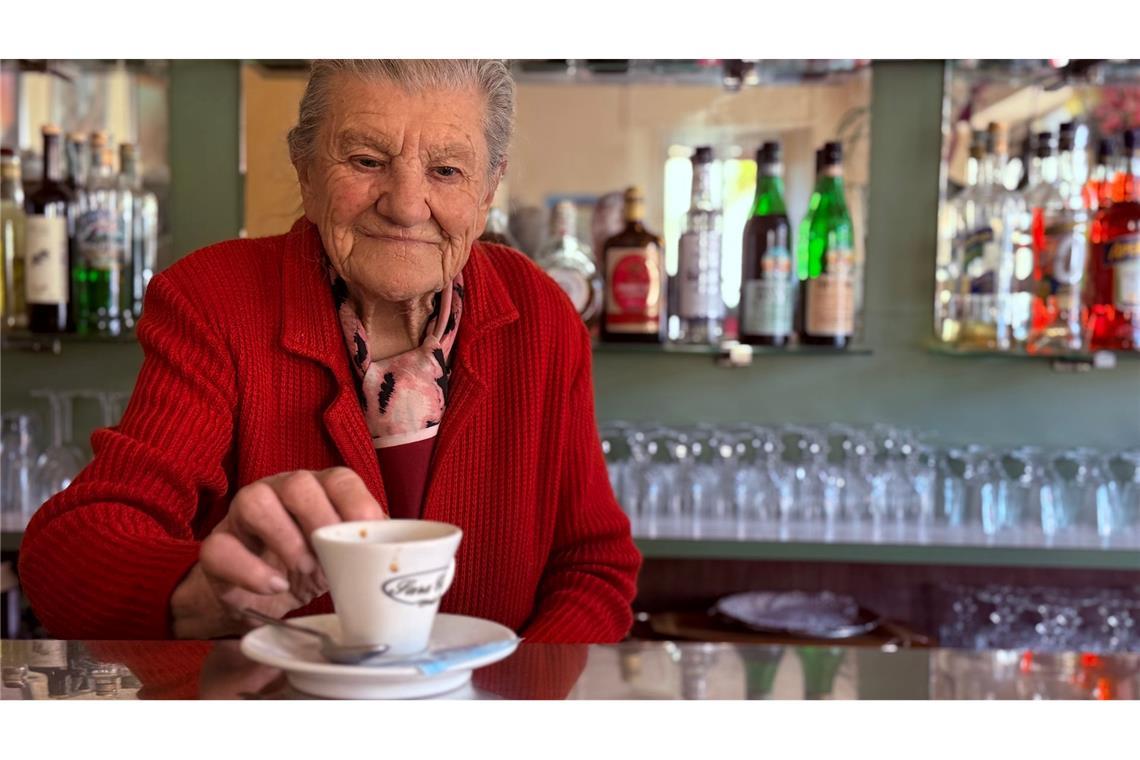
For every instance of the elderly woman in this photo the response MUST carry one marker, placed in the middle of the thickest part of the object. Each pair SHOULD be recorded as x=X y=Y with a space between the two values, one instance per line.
x=374 y=361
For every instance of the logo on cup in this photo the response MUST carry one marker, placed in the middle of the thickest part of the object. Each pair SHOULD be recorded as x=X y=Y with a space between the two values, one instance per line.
x=422 y=588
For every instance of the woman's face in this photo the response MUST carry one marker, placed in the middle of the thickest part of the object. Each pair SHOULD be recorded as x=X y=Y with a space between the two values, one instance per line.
x=398 y=186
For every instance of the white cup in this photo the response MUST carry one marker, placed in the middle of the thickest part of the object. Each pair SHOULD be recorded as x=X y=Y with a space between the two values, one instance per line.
x=386 y=578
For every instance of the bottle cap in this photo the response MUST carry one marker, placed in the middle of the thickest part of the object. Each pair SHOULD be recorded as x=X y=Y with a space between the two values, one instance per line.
x=818 y=160
x=769 y=153
x=1045 y=147
x=1131 y=138
x=100 y=139
x=76 y=137
x=50 y=129
x=832 y=153
x=1105 y=149
x=703 y=155
x=979 y=144
x=999 y=137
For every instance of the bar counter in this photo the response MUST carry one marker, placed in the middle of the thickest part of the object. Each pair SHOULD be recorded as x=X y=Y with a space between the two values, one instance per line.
x=632 y=670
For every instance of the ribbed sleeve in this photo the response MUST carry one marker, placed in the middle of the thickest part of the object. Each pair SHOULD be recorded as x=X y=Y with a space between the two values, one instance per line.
x=101 y=559
x=590 y=579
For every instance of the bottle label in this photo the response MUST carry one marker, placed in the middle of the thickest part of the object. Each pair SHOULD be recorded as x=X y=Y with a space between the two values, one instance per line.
x=1123 y=255
x=769 y=303
x=1064 y=248
x=101 y=239
x=977 y=248
x=46 y=265
x=830 y=306
x=698 y=273
x=574 y=284
x=633 y=289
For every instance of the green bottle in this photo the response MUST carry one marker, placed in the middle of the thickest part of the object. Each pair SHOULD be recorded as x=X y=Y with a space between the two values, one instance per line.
x=768 y=281
x=805 y=224
x=827 y=266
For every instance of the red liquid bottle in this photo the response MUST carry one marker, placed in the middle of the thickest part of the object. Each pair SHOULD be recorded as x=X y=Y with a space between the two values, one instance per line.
x=1114 y=267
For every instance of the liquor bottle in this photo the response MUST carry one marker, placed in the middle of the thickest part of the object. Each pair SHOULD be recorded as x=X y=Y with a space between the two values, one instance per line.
x=962 y=218
x=12 y=224
x=103 y=239
x=699 y=303
x=1042 y=197
x=570 y=263
x=1060 y=245
x=768 y=280
x=1114 y=267
x=829 y=288
x=47 y=242
x=144 y=231
x=498 y=229
x=635 y=279
x=805 y=224
x=1098 y=190
x=991 y=250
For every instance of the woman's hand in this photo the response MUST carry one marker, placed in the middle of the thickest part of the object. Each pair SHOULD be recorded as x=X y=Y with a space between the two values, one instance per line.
x=259 y=555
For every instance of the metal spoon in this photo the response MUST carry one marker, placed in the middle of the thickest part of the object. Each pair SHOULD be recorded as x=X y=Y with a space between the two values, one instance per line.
x=330 y=650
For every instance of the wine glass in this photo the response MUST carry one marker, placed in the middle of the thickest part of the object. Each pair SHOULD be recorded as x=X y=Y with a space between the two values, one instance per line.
x=58 y=465
x=18 y=454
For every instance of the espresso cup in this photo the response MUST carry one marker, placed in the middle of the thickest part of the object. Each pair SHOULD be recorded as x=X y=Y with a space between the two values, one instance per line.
x=386 y=578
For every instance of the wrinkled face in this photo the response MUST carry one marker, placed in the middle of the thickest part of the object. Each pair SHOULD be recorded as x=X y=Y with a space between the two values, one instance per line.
x=398 y=186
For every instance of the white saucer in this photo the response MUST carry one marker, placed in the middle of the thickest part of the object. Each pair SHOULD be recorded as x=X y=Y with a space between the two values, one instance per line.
x=299 y=656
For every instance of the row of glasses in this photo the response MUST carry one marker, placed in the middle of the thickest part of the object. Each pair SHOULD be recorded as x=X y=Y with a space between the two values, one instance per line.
x=33 y=472
x=877 y=483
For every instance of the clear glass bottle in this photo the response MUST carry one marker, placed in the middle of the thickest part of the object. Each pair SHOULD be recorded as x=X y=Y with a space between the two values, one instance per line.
x=78 y=162
x=960 y=220
x=103 y=241
x=570 y=263
x=498 y=229
x=144 y=232
x=1098 y=189
x=1060 y=247
x=12 y=224
x=990 y=253
x=769 y=285
x=700 y=304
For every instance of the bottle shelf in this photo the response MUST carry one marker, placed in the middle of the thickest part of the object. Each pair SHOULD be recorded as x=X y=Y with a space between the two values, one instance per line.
x=53 y=343
x=735 y=354
x=1060 y=360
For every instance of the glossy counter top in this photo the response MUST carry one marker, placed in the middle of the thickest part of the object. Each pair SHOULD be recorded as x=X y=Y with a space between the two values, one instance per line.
x=628 y=671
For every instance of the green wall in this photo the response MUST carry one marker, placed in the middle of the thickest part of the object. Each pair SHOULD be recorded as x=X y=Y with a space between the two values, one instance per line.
x=993 y=399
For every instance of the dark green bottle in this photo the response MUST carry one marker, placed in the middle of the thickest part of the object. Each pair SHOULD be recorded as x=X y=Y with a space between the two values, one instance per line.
x=827 y=266
x=768 y=282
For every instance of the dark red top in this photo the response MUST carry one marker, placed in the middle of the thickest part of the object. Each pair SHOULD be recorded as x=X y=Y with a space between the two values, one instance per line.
x=245 y=376
x=405 y=470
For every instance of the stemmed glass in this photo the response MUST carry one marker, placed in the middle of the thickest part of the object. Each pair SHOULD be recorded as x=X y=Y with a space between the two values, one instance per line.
x=18 y=454
x=61 y=462
x=755 y=484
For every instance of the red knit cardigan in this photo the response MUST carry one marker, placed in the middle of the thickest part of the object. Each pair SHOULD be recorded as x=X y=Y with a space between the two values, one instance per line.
x=246 y=375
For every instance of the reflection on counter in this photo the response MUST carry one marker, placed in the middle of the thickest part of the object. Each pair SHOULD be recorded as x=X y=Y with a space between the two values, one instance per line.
x=632 y=670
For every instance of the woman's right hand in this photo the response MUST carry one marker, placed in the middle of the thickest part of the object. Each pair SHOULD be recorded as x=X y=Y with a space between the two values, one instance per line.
x=259 y=555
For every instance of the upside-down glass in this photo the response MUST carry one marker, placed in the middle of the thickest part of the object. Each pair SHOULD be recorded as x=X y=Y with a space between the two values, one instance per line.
x=18 y=454
x=58 y=465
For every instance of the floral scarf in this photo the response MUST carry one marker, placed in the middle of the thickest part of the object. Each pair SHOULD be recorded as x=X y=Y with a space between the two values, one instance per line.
x=403 y=396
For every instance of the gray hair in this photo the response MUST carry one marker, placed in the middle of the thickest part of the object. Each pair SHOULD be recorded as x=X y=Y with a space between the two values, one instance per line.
x=492 y=78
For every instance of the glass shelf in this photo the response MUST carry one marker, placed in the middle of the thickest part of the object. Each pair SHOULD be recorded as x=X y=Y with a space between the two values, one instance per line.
x=1086 y=359
x=724 y=351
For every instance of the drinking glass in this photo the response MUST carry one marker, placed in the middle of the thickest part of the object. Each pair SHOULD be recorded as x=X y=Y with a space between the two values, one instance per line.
x=661 y=506
x=58 y=465
x=1073 y=495
x=756 y=487
x=18 y=454
x=803 y=468
x=706 y=479
x=615 y=449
